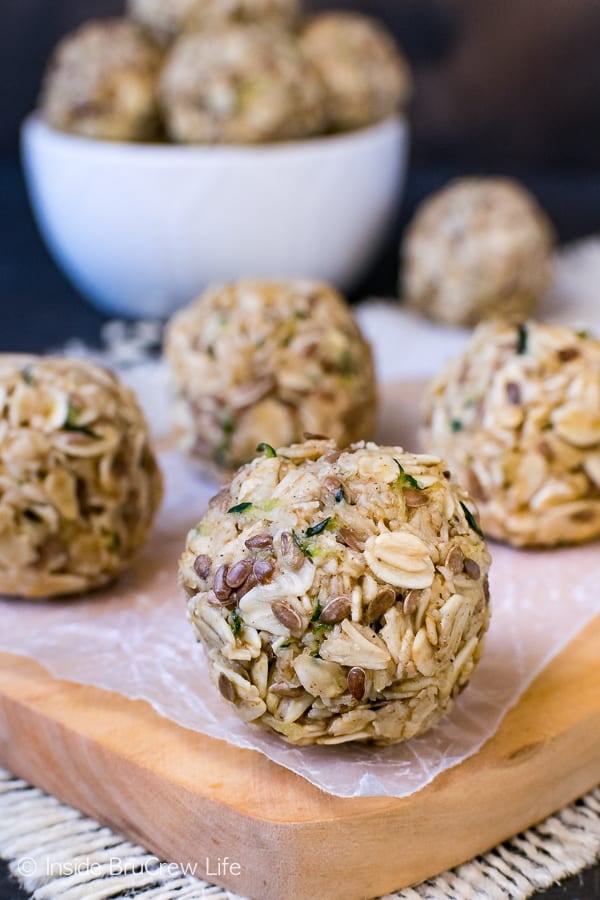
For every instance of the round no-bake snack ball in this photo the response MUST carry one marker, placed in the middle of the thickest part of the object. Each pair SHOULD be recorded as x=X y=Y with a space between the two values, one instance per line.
x=243 y=85
x=477 y=249
x=364 y=73
x=267 y=361
x=79 y=485
x=518 y=418
x=102 y=82
x=341 y=595
x=167 y=19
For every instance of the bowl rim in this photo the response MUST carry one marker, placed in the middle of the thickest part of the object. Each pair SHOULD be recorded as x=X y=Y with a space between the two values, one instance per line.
x=155 y=152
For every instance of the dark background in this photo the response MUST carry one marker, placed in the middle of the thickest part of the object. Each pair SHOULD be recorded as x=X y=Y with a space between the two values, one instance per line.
x=501 y=86
x=497 y=81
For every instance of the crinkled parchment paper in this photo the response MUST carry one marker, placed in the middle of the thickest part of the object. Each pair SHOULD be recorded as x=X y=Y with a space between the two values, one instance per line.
x=133 y=638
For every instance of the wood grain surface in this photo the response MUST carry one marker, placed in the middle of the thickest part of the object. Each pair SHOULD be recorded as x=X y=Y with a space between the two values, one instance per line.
x=195 y=800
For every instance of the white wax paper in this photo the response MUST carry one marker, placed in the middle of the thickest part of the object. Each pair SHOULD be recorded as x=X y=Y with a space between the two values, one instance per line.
x=133 y=638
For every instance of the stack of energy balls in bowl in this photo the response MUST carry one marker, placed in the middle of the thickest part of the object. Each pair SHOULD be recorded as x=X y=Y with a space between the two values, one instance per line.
x=217 y=139
x=216 y=72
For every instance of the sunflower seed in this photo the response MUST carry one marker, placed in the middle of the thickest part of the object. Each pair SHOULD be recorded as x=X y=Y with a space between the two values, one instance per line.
x=349 y=539
x=287 y=616
x=568 y=353
x=411 y=603
x=237 y=573
x=513 y=392
x=584 y=515
x=263 y=569
x=226 y=688
x=486 y=589
x=221 y=501
x=332 y=484
x=220 y=587
x=472 y=569
x=356 y=682
x=546 y=450
x=414 y=498
x=290 y=551
x=335 y=610
x=202 y=566
x=227 y=603
x=455 y=560
x=247 y=586
x=380 y=604
x=260 y=542
x=285 y=689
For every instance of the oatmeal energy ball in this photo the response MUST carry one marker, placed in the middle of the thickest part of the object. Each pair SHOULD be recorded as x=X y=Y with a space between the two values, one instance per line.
x=267 y=361
x=167 y=19
x=102 y=83
x=341 y=595
x=518 y=418
x=79 y=485
x=477 y=249
x=244 y=85
x=365 y=75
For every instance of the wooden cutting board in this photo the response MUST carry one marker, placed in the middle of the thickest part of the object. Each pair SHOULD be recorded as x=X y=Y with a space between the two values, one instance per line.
x=194 y=800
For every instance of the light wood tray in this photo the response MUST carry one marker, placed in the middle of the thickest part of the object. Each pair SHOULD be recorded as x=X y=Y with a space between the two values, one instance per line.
x=195 y=800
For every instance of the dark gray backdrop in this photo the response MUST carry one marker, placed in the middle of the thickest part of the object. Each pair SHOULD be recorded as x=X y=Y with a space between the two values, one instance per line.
x=498 y=81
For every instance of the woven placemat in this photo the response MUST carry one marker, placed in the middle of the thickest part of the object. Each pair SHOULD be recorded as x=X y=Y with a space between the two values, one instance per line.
x=55 y=852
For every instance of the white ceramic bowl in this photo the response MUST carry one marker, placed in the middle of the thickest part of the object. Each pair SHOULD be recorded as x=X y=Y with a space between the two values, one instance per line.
x=141 y=229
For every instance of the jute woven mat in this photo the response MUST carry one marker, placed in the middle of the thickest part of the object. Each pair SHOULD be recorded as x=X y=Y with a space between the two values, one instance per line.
x=55 y=852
